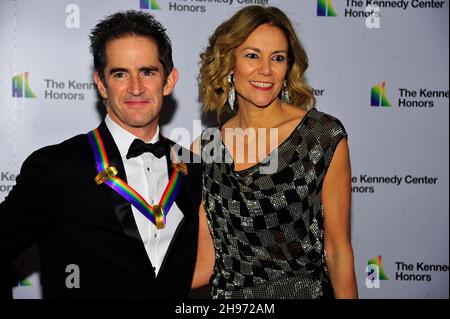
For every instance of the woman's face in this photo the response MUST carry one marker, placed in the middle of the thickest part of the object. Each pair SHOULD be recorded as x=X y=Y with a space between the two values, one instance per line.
x=261 y=66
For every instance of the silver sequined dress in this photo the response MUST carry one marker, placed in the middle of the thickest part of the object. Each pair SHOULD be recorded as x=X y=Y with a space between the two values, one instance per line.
x=267 y=221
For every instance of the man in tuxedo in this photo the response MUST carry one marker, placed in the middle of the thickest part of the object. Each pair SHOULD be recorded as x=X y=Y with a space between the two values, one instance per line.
x=94 y=241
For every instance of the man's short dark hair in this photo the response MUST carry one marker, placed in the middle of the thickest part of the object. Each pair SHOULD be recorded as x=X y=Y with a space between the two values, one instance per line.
x=127 y=23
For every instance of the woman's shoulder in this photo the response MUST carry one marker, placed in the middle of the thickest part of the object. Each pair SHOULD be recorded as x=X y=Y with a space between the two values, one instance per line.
x=325 y=120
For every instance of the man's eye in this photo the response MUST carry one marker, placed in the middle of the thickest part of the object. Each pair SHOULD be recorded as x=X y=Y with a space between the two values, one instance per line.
x=119 y=75
x=148 y=72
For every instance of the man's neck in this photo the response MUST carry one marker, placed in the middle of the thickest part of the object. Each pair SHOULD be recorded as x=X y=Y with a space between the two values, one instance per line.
x=145 y=134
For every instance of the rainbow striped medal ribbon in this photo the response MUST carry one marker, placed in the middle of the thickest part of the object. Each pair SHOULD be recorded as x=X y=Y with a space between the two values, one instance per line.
x=108 y=175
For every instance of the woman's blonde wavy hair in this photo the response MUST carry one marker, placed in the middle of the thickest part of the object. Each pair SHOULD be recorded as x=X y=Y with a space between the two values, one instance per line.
x=218 y=59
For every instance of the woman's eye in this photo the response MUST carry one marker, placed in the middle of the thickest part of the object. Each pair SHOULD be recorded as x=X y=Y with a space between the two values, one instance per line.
x=279 y=58
x=251 y=55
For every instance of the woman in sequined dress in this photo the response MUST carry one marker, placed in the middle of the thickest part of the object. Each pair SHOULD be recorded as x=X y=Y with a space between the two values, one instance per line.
x=275 y=219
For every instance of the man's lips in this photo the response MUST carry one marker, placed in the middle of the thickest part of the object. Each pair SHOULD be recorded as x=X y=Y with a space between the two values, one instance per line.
x=136 y=102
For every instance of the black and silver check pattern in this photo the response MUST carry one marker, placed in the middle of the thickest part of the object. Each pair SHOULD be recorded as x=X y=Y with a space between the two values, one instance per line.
x=268 y=228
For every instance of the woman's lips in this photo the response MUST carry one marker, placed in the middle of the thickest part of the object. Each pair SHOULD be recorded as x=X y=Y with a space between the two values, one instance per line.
x=263 y=86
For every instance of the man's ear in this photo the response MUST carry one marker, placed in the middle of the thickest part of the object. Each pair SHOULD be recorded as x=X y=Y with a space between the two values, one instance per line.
x=100 y=85
x=170 y=82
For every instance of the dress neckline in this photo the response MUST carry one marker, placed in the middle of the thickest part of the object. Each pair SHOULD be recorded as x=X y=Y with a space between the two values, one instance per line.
x=267 y=157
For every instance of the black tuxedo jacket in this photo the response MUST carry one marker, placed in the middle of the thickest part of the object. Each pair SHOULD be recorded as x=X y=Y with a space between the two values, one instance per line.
x=57 y=203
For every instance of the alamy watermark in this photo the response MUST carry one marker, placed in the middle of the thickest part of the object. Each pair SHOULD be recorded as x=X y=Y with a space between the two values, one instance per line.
x=250 y=146
x=373 y=17
x=73 y=277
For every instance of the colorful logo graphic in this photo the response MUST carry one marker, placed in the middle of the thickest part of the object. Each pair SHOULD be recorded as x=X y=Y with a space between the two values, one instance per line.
x=21 y=86
x=149 y=4
x=378 y=96
x=325 y=9
x=375 y=273
x=25 y=283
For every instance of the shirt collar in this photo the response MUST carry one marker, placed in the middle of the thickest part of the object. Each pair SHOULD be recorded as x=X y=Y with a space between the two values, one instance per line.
x=123 y=138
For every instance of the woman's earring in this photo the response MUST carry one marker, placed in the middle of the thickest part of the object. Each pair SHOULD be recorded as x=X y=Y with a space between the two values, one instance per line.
x=285 y=93
x=232 y=93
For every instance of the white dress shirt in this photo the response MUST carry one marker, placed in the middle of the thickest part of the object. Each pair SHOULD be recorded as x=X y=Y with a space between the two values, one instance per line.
x=147 y=175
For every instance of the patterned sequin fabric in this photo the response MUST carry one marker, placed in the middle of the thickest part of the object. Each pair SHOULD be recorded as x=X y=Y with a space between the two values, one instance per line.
x=267 y=228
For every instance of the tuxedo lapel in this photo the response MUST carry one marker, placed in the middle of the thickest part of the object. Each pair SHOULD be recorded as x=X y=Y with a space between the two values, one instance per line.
x=122 y=208
x=185 y=205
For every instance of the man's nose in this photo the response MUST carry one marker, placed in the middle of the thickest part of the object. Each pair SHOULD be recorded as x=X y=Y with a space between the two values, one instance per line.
x=135 y=85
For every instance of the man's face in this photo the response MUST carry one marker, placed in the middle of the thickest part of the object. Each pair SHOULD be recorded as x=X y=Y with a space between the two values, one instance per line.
x=134 y=83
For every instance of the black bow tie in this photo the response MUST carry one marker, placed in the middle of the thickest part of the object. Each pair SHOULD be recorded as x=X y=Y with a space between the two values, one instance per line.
x=138 y=147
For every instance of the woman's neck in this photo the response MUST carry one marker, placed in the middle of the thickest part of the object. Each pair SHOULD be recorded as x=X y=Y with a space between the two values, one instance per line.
x=250 y=116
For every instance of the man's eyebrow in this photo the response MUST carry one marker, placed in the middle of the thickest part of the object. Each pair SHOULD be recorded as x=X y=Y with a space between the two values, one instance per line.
x=149 y=68
x=115 y=70
x=144 y=68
